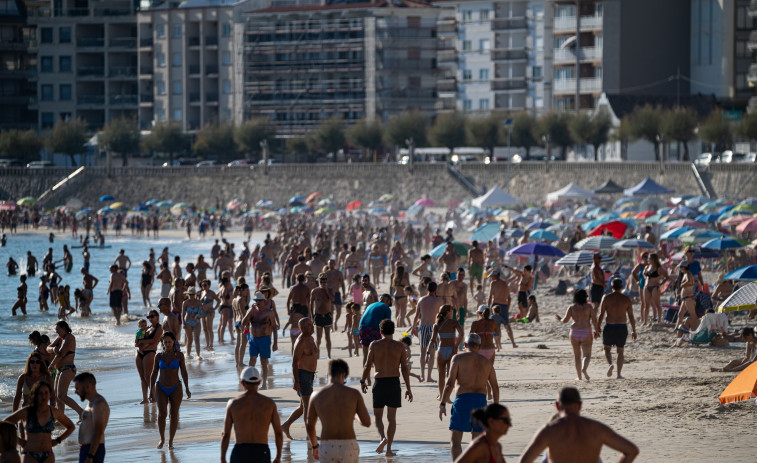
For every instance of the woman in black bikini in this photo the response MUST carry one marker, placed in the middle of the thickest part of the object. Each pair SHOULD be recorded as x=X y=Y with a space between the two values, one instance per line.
x=165 y=378
x=145 y=283
x=495 y=419
x=146 y=349
x=400 y=279
x=227 y=319
x=35 y=372
x=39 y=420
x=656 y=276
x=64 y=348
x=210 y=302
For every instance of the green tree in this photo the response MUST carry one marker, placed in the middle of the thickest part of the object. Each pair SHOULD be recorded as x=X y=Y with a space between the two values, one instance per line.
x=249 y=135
x=747 y=128
x=216 y=140
x=622 y=135
x=329 y=137
x=484 y=132
x=297 y=145
x=68 y=138
x=555 y=126
x=404 y=126
x=601 y=124
x=716 y=130
x=580 y=128
x=166 y=137
x=680 y=124
x=366 y=134
x=524 y=133
x=121 y=136
x=448 y=131
x=646 y=124
x=21 y=144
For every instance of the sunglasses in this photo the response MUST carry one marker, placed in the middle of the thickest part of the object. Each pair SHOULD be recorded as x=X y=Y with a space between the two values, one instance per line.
x=506 y=420
x=34 y=362
x=151 y=316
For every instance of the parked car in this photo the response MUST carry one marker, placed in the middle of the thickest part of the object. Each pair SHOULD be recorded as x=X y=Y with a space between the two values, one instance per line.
x=703 y=159
x=39 y=164
x=270 y=162
x=11 y=163
x=239 y=163
x=205 y=164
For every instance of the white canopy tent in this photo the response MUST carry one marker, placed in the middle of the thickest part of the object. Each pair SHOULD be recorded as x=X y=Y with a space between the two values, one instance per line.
x=495 y=197
x=571 y=191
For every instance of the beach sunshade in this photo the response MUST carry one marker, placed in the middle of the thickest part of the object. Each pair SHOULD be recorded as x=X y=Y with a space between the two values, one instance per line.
x=707 y=218
x=460 y=248
x=426 y=202
x=486 y=232
x=413 y=210
x=536 y=249
x=583 y=258
x=699 y=235
x=386 y=197
x=106 y=198
x=544 y=235
x=596 y=243
x=743 y=386
x=722 y=244
x=105 y=210
x=749 y=225
x=352 y=205
x=264 y=203
x=571 y=191
x=633 y=244
x=647 y=187
x=734 y=217
x=683 y=211
x=514 y=233
x=562 y=214
x=644 y=214
x=685 y=223
x=616 y=227
x=496 y=197
x=748 y=273
x=117 y=205
x=741 y=299
x=609 y=187
x=538 y=225
x=674 y=233
x=745 y=207
x=313 y=196
x=378 y=211
x=534 y=211
x=324 y=210
x=696 y=201
x=233 y=204
x=626 y=200
x=27 y=201
x=325 y=202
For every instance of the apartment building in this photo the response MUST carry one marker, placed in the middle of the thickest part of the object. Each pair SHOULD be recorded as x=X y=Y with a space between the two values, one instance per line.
x=307 y=64
x=86 y=61
x=17 y=65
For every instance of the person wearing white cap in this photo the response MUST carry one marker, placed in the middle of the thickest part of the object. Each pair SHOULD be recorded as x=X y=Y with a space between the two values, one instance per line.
x=251 y=414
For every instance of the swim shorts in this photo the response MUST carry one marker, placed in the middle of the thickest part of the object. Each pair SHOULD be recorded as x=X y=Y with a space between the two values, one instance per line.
x=424 y=333
x=523 y=298
x=306 y=379
x=368 y=334
x=260 y=346
x=337 y=298
x=300 y=309
x=243 y=453
x=387 y=392
x=462 y=407
x=615 y=335
x=504 y=312
x=597 y=291
x=476 y=271
x=339 y=451
x=116 y=298
x=99 y=455
x=323 y=320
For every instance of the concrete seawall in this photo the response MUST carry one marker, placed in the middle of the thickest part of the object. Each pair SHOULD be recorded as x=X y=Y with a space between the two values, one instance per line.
x=345 y=182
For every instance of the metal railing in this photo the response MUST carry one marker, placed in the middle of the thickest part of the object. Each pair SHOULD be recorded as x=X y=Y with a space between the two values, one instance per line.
x=569 y=85
x=211 y=69
x=568 y=23
x=515 y=83
x=145 y=42
x=90 y=99
x=124 y=100
x=509 y=54
x=503 y=24
x=587 y=53
x=122 y=71
x=211 y=40
x=146 y=98
x=123 y=42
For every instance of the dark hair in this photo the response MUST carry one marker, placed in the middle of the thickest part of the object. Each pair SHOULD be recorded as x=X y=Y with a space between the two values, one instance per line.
x=528 y=267
x=8 y=436
x=399 y=275
x=442 y=314
x=33 y=396
x=483 y=415
x=42 y=365
x=617 y=283
x=407 y=340
x=168 y=334
x=748 y=331
x=486 y=313
x=85 y=378
x=580 y=297
x=387 y=327
x=35 y=337
x=300 y=277
x=338 y=367
x=431 y=287
x=64 y=326
x=569 y=395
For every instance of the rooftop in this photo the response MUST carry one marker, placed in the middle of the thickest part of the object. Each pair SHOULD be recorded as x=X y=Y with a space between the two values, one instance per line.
x=346 y=6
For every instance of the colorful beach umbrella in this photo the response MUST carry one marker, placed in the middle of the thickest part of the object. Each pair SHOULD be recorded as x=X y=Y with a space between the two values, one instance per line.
x=313 y=196
x=583 y=258
x=386 y=197
x=264 y=203
x=486 y=232
x=233 y=204
x=748 y=225
x=116 y=206
x=674 y=233
x=721 y=244
x=544 y=235
x=645 y=214
x=741 y=299
x=699 y=235
x=596 y=243
x=743 y=386
x=536 y=249
x=352 y=205
x=324 y=210
x=685 y=223
x=707 y=218
x=426 y=202
x=633 y=244
x=616 y=227
x=27 y=201
x=106 y=198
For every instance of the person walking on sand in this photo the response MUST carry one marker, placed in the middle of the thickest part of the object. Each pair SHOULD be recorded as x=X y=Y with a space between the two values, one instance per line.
x=426 y=311
x=388 y=356
x=320 y=306
x=584 y=317
x=165 y=372
x=597 y=280
x=251 y=414
x=499 y=295
x=619 y=310
x=571 y=438
x=336 y=405
x=94 y=419
x=262 y=326
x=304 y=364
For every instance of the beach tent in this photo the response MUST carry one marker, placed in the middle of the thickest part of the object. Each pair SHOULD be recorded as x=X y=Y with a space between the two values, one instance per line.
x=571 y=191
x=647 y=187
x=609 y=187
x=495 y=197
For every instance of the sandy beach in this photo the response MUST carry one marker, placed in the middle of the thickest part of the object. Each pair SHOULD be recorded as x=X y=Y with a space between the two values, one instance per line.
x=667 y=404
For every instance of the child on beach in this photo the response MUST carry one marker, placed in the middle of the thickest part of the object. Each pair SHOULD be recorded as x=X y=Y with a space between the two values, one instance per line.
x=294 y=324
x=412 y=299
x=497 y=317
x=64 y=304
x=348 y=325
x=533 y=312
x=142 y=325
x=408 y=341
x=479 y=297
x=356 y=328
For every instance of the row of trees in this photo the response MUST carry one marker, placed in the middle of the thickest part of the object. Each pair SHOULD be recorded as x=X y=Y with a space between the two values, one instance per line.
x=552 y=129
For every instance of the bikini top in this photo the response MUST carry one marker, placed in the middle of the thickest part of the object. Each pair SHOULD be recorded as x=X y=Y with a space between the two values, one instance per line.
x=206 y=300
x=174 y=365
x=652 y=274
x=33 y=426
x=446 y=335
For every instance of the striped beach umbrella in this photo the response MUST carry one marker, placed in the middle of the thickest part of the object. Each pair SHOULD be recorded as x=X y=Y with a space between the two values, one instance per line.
x=741 y=299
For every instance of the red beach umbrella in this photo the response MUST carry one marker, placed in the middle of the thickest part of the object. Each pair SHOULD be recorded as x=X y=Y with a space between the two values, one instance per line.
x=616 y=227
x=352 y=205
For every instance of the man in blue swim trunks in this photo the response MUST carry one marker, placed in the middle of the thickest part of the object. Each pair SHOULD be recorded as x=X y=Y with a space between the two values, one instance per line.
x=262 y=325
x=474 y=373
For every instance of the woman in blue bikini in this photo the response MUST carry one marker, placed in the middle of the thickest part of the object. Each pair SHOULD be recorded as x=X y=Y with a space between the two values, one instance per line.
x=450 y=335
x=165 y=378
x=192 y=313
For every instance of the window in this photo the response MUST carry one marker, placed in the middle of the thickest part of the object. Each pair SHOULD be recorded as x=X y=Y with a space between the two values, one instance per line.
x=64 y=64
x=160 y=31
x=226 y=31
x=46 y=64
x=598 y=71
x=598 y=41
x=536 y=72
x=176 y=31
x=227 y=86
x=161 y=115
x=743 y=20
x=413 y=53
x=47 y=92
x=161 y=87
x=65 y=116
x=413 y=82
x=176 y=87
x=741 y=82
x=178 y=114
x=64 y=35
x=48 y=120
x=176 y=59
x=226 y=58
x=564 y=73
x=466 y=45
x=484 y=15
x=559 y=41
x=161 y=60
x=564 y=11
x=539 y=41
x=468 y=15
x=484 y=44
x=46 y=35
x=483 y=103
x=483 y=74
x=467 y=105
x=64 y=92
x=467 y=74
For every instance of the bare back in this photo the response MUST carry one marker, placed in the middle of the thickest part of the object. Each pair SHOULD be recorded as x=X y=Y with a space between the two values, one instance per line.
x=471 y=370
x=388 y=356
x=336 y=405
x=250 y=415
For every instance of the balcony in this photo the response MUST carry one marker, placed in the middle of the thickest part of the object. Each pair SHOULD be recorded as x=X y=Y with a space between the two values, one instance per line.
x=146 y=98
x=194 y=69
x=145 y=42
x=123 y=100
x=90 y=71
x=193 y=42
x=588 y=85
x=194 y=97
x=563 y=56
x=568 y=23
x=752 y=76
x=211 y=40
x=90 y=100
x=446 y=86
x=509 y=54
x=509 y=24
x=32 y=74
x=146 y=70
x=122 y=71
x=91 y=42
x=211 y=97
x=507 y=83
x=446 y=56
x=447 y=27
x=123 y=42
x=211 y=69
x=17 y=44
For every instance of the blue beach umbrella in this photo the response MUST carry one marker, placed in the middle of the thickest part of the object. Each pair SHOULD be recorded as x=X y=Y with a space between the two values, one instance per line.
x=544 y=235
x=536 y=249
x=723 y=243
x=486 y=232
x=748 y=273
x=106 y=198
x=674 y=233
x=538 y=225
x=707 y=218
x=514 y=232
x=461 y=249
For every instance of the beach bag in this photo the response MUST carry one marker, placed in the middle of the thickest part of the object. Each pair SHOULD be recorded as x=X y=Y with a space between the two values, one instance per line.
x=562 y=288
x=704 y=303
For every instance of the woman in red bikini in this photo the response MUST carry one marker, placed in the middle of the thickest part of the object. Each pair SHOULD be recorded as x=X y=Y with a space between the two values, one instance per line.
x=495 y=420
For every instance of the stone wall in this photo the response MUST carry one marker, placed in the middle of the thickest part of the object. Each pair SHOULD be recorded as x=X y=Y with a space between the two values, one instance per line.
x=16 y=183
